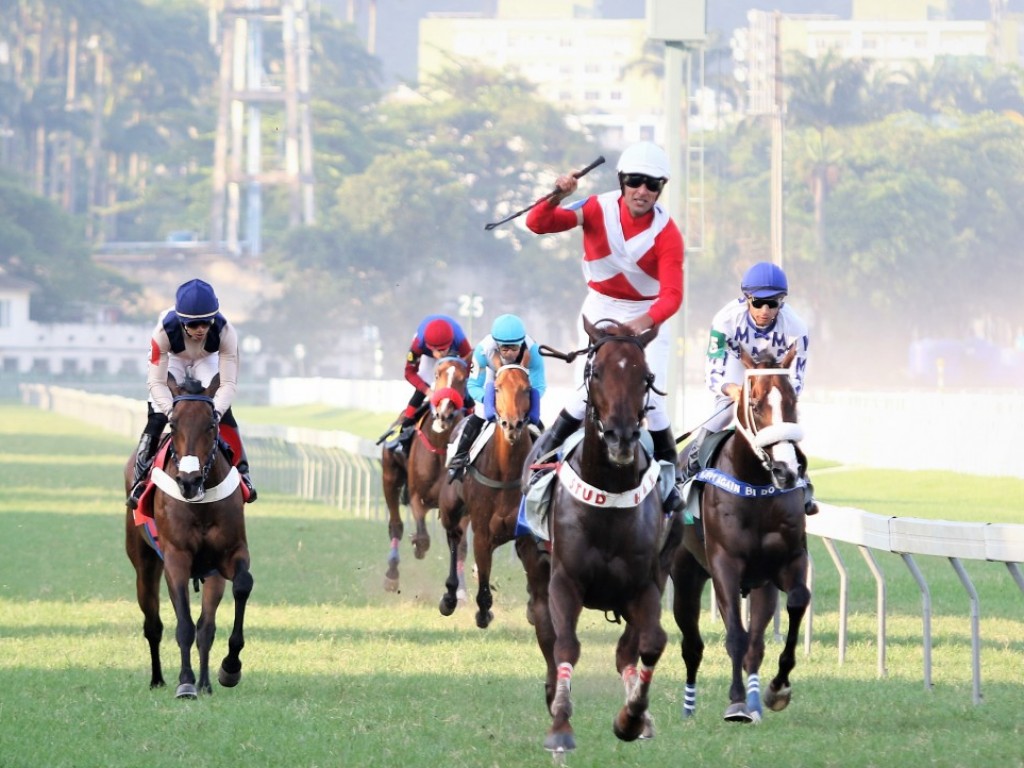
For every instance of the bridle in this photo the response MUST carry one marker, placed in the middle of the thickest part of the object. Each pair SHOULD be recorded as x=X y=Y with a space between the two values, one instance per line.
x=212 y=458
x=762 y=438
x=588 y=372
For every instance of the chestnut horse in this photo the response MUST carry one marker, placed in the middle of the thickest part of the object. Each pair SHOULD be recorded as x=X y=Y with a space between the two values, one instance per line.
x=607 y=528
x=751 y=541
x=490 y=493
x=200 y=536
x=423 y=470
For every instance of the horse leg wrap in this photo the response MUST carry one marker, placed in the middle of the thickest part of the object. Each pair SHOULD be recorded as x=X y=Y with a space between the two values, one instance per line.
x=689 y=700
x=561 y=701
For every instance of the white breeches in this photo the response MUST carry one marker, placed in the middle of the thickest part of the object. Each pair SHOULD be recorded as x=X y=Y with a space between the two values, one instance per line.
x=599 y=307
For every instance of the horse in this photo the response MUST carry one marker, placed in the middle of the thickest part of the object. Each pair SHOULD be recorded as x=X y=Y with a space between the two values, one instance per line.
x=422 y=471
x=490 y=492
x=607 y=528
x=750 y=540
x=199 y=535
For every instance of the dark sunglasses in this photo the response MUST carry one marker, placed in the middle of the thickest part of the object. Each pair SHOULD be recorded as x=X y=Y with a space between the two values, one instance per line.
x=634 y=180
x=195 y=325
x=759 y=303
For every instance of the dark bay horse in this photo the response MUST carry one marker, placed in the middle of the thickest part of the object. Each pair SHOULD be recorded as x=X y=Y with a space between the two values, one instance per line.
x=423 y=470
x=490 y=493
x=607 y=525
x=752 y=541
x=198 y=512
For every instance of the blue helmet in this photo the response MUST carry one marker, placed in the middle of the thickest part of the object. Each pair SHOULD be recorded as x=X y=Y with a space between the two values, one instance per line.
x=196 y=300
x=508 y=329
x=764 y=280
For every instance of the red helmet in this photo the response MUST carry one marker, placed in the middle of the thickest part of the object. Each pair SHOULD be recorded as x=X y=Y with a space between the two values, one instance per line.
x=438 y=335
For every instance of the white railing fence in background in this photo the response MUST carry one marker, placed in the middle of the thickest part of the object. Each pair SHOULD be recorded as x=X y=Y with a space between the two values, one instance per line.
x=343 y=470
x=327 y=466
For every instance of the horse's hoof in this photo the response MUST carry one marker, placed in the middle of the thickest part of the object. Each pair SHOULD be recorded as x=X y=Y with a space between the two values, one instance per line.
x=390 y=585
x=560 y=742
x=186 y=691
x=628 y=728
x=648 y=731
x=483 y=620
x=447 y=605
x=777 y=701
x=228 y=679
x=738 y=713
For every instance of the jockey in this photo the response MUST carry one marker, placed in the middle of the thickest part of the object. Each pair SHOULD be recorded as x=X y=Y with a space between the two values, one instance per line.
x=437 y=336
x=507 y=344
x=633 y=264
x=191 y=335
x=761 y=323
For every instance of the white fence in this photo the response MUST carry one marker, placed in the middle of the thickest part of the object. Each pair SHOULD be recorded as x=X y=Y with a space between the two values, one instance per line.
x=342 y=469
x=967 y=432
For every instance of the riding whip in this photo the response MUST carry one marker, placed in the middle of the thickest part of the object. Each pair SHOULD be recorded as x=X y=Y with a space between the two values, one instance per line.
x=553 y=193
x=685 y=435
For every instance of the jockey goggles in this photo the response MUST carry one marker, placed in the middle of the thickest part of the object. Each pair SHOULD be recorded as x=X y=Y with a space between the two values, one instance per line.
x=773 y=303
x=195 y=325
x=634 y=180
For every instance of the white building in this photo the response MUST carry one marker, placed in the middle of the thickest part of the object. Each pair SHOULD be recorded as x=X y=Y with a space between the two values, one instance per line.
x=577 y=60
x=895 y=35
x=66 y=349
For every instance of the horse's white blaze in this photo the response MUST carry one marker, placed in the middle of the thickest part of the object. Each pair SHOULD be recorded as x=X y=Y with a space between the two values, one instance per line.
x=451 y=375
x=442 y=407
x=775 y=403
x=785 y=453
x=189 y=464
x=622 y=363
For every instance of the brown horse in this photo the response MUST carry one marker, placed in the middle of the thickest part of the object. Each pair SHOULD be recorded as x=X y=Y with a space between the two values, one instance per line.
x=607 y=527
x=750 y=540
x=490 y=493
x=200 y=535
x=423 y=470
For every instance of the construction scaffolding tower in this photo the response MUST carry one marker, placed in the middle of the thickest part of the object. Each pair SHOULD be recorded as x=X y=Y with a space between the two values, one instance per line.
x=258 y=92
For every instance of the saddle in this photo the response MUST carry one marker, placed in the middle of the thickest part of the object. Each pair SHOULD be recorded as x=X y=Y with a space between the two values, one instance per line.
x=478 y=444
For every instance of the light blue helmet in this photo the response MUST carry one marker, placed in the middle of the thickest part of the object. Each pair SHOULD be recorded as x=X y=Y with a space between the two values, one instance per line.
x=764 y=280
x=196 y=300
x=508 y=329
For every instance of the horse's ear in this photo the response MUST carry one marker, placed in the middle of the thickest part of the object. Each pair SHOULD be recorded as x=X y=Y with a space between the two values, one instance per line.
x=214 y=384
x=648 y=336
x=172 y=384
x=790 y=355
x=746 y=359
x=591 y=329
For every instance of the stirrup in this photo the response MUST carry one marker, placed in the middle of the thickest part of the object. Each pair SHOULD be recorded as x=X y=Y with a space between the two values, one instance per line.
x=249 y=487
x=457 y=469
x=135 y=494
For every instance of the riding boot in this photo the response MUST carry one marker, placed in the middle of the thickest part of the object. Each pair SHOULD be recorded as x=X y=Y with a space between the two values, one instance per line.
x=143 y=461
x=564 y=426
x=243 y=472
x=665 y=450
x=693 y=455
x=457 y=467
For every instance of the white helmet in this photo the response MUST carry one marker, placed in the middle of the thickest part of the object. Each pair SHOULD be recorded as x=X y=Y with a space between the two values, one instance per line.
x=644 y=157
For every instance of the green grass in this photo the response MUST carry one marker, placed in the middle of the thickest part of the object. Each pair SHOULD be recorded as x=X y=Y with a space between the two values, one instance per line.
x=318 y=416
x=339 y=673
